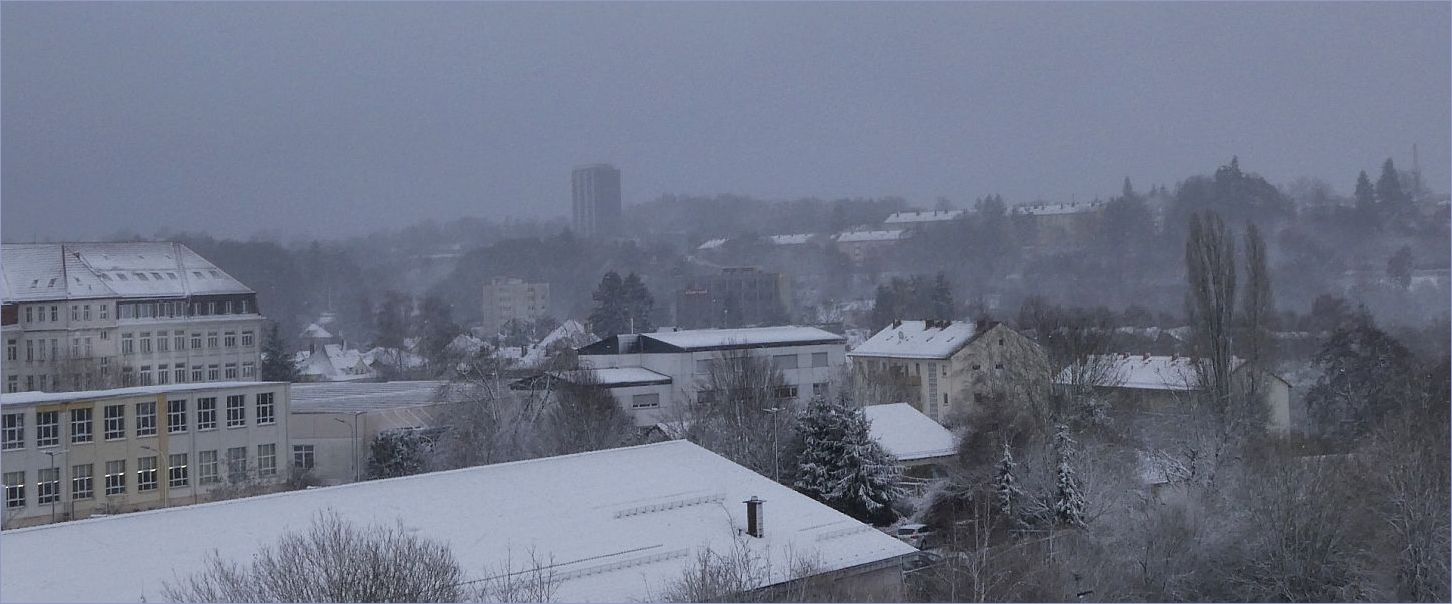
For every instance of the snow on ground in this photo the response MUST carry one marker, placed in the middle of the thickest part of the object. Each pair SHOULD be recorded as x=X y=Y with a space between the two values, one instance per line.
x=618 y=525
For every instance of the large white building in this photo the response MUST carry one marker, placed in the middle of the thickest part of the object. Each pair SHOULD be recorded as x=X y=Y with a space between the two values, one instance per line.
x=332 y=425
x=73 y=454
x=100 y=315
x=653 y=374
x=619 y=525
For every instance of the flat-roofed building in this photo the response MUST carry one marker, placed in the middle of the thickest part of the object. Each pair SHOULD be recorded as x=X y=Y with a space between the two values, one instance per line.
x=333 y=424
x=618 y=525
x=595 y=193
x=101 y=315
x=74 y=454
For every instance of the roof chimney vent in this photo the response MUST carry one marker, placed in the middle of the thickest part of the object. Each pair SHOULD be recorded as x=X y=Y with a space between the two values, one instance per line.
x=754 y=526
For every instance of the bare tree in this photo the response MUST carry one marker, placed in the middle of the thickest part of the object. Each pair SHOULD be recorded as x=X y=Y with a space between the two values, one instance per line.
x=536 y=581
x=742 y=405
x=331 y=561
x=1210 y=302
x=743 y=574
x=584 y=416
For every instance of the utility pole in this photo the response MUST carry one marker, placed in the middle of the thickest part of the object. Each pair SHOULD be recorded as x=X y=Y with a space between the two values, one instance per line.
x=55 y=472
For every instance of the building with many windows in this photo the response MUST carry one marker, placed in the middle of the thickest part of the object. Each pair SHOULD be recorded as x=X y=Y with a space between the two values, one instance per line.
x=510 y=299
x=595 y=193
x=101 y=315
x=72 y=455
x=734 y=297
x=653 y=374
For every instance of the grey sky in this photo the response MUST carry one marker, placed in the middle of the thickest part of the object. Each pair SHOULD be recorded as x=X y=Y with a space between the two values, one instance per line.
x=340 y=118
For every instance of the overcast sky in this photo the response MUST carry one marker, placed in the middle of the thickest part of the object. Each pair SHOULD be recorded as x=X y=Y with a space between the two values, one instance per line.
x=337 y=119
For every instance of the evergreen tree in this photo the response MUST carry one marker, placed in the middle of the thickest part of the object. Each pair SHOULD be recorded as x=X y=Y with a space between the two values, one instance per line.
x=1005 y=486
x=1389 y=189
x=611 y=315
x=1365 y=196
x=392 y=322
x=396 y=453
x=1258 y=305
x=1399 y=267
x=842 y=466
x=941 y=299
x=1068 y=498
x=436 y=329
x=639 y=304
x=277 y=364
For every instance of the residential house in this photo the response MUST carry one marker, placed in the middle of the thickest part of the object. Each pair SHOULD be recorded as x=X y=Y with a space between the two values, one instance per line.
x=914 y=439
x=862 y=246
x=1058 y=226
x=508 y=299
x=1163 y=383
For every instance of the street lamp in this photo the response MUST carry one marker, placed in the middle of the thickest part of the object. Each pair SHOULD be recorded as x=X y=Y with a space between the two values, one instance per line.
x=354 y=445
x=54 y=472
x=165 y=501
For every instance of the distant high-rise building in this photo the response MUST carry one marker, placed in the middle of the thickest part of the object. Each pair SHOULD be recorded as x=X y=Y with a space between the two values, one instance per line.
x=596 y=192
x=508 y=299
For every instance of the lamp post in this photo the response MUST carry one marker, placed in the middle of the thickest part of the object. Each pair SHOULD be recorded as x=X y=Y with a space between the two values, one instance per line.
x=775 y=445
x=354 y=444
x=165 y=501
x=56 y=472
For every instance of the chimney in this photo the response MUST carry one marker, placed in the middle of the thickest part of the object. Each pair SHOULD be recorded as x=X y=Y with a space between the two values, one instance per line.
x=754 y=525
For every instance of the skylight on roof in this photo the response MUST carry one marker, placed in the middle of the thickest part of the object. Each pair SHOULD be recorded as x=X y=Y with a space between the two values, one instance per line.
x=198 y=274
x=141 y=276
x=52 y=282
x=156 y=276
x=121 y=276
x=171 y=276
x=216 y=274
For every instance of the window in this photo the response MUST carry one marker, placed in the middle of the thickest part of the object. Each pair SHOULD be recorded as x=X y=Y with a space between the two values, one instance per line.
x=196 y=373
x=54 y=313
x=12 y=383
x=115 y=420
x=703 y=366
x=12 y=349
x=176 y=470
x=207 y=413
x=212 y=373
x=75 y=312
x=231 y=372
x=179 y=339
x=784 y=361
x=40 y=351
x=146 y=375
x=105 y=311
x=14 y=431
x=211 y=339
x=28 y=318
x=47 y=485
x=145 y=338
x=196 y=341
x=176 y=416
x=236 y=464
x=47 y=428
x=819 y=359
x=247 y=338
x=785 y=392
x=236 y=411
x=81 y=425
x=163 y=343
x=819 y=389
x=249 y=369
x=146 y=473
x=229 y=339
x=162 y=375
x=81 y=484
x=207 y=467
x=87 y=312
x=267 y=460
x=88 y=347
x=302 y=457
x=128 y=376
x=645 y=401
x=146 y=419
x=266 y=411
x=128 y=344
x=116 y=477
x=15 y=488
x=180 y=374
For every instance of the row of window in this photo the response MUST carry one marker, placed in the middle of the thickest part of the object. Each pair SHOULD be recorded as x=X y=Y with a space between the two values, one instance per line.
x=780 y=361
x=182 y=309
x=40 y=313
x=165 y=342
x=166 y=374
x=48 y=480
x=144 y=420
x=36 y=349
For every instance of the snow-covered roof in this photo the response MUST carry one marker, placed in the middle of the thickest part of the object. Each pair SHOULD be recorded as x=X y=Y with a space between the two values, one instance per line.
x=1050 y=209
x=144 y=269
x=712 y=244
x=617 y=377
x=572 y=333
x=1146 y=372
x=346 y=397
x=697 y=339
x=335 y=363
x=619 y=525
x=314 y=330
x=908 y=434
x=859 y=236
x=36 y=397
x=917 y=340
x=918 y=217
x=796 y=239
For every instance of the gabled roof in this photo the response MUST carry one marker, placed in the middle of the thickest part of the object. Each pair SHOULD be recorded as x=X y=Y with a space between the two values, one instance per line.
x=920 y=217
x=314 y=330
x=908 y=434
x=712 y=244
x=618 y=525
x=1147 y=372
x=796 y=239
x=144 y=269
x=918 y=340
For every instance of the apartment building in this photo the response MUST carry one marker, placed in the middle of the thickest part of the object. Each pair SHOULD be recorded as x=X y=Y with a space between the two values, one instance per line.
x=508 y=299
x=70 y=455
x=734 y=297
x=1058 y=226
x=670 y=368
x=944 y=367
x=595 y=197
x=102 y=315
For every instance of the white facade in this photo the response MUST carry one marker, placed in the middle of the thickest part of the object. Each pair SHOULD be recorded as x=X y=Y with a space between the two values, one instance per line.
x=332 y=425
x=807 y=358
x=74 y=454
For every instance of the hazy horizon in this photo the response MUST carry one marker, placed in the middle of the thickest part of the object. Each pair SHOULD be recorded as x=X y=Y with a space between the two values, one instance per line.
x=328 y=119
